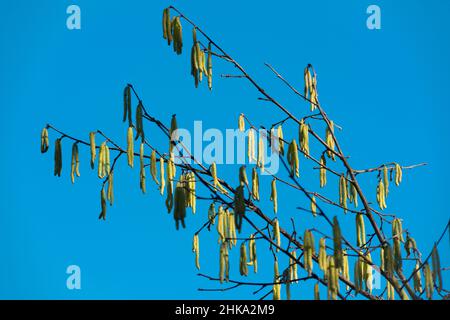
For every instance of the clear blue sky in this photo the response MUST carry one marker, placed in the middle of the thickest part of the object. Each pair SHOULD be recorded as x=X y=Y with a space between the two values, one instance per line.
x=387 y=88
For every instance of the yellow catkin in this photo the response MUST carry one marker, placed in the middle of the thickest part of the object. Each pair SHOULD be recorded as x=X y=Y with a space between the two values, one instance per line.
x=253 y=260
x=276 y=285
x=345 y=270
x=243 y=268
x=224 y=263
x=255 y=184
x=313 y=206
x=209 y=66
x=386 y=179
x=293 y=270
x=360 y=230
x=280 y=140
x=130 y=147
x=352 y=193
x=304 y=138
x=390 y=291
x=142 y=184
x=196 y=250
x=329 y=131
x=343 y=192
x=261 y=156
x=316 y=291
x=101 y=161
x=308 y=251
x=398 y=174
x=322 y=255
x=75 y=163
x=251 y=153
x=110 y=191
x=93 y=148
x=417 y=278
x=381 y=195
x=58 y=158
x=243 y=180
x=221 y=224
x=44 y=140
x=323 y=171
x=161 y=176
x=153 y=169
x=436 y=263
x=231 y=228
x=276 y=233
x=333 y=280
x=293 y=159
x=273 y=195
x=177 y=32
x=241 y=122
x=429 y=283
x=167 y=28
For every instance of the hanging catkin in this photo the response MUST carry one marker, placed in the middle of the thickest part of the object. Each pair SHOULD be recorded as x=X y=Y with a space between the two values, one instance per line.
x=255 y=184
x=107 y=165
x=333 y=280
x=153 y=170
x=437 y=275
x=386 y=179
x=316 y=291
x=308 y=251
x=329 y=140
x=360 y=230
x=75 y=163
x=243 y=176
x=304 y=137
x=387 y=259
x=429 y=284
x=179 y=210
x=323 y=171
x=345 y=267
x=417 y=278
x=93 y=148
x=130 y=147
x=252 y=253
x=127 y=105
x=101 y=161
x=251 y=154
x=343 y=192
x=276 y=283
x=260 y=163
x=161 y=176
x=44 y=140
x=398 y=174
x=280 y=140
x=110 y=191
x=221 y=224
x=381 y=195
x=209 y=66
x=102 y=204
x=337 y=242
x=58 y=158
x=216 y=182
x=231 y=228
x=241 y=123
x=293 y=270
x=322 y=255
x=397 y=235
x=139 y=122
x=224 y=263
x=142 y=169
x=196 y=250
x=313 y=206
x=293 y=159
x=273 y=195
x=243 y=268
x=352 y=193
x=276 y=233
x=166 y=22
x=177 y=33
x=239 y=206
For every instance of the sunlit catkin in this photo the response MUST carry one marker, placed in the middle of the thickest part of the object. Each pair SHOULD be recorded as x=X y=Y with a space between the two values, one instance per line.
x=166 y=24
x=360 y=230
x=276 y=233
x=398 y=174
x=196 y=250
x=75 y=163
x=322 y=255
x=243 y=176
x=261 y=150
x=251 y=154
x=381 y=195
x=329 y=140
x=333 y=280
x=436 y=263
x=241 y=122
x=177 y=32
x=280 y=140
x=255 y=184
x=313 y=206
x=343 y=192
x=293 y=160
x=276 y=286
x=209 y=66
x=293 y=270
x=223 y=263
x=273 y=195
x=216 y=182
x=304 y=138
x=44 y=140
x=162 y=176
x=58 y=158
x=93 y=148
x=323 y=171
x=417 y=278
x=253 y=260
x=110 y=191
x=429 y=283
x=308 y=251
x=130 y=147
x=386 y=179
x=316 y=291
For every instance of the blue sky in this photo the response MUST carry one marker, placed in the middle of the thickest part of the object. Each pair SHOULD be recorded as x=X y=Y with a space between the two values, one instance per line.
x=387 y=88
